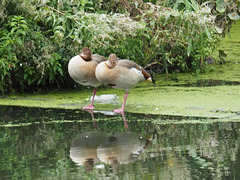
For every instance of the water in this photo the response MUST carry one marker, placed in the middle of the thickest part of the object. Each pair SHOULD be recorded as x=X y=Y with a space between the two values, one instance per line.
x=66 y=144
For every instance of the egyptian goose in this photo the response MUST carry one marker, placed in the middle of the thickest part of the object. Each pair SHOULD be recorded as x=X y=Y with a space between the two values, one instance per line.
x=83 y=150
x=121 y=74
x=82 y=67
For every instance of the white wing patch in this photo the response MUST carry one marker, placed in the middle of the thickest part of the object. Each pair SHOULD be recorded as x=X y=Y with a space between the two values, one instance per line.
x=138 y=72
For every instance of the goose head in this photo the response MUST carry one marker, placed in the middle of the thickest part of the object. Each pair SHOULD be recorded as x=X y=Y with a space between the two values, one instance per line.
x=86 y=54
x=112 y=61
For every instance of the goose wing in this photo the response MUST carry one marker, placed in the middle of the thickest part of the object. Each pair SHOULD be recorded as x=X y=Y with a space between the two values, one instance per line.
x=130 y=64
x=98 y=58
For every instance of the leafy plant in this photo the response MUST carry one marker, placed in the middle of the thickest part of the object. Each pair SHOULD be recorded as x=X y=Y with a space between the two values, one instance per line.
x=10 y=42
x=27 y=57
x=39 y=37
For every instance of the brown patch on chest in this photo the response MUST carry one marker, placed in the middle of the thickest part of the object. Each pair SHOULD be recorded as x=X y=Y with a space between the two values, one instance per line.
x=108 y=76
x=89 y=70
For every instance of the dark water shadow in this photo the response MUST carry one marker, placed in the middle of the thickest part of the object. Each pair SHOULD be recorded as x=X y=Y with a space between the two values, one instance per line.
x=16 y=115
x=209 y=83
x=70 y=144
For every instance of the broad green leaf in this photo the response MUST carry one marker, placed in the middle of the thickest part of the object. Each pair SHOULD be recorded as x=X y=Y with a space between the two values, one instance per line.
x=19 y=41
x=49 y=18
x=13 y=29
x=177 y=4
x=90 y=8
x=51 y=76
x=208 y=33
x=60 y=71
x=233 y=16
x=22 y=32
x=189 y=49
x=23 y=21
x=220 y=6
x=39 y=81
x=29 y=81
x=167 y=16
x=25 y=76
x=195 y=5
x=218 y=30
x=187 y=5
x=13 y=23
x=24 y=26
x=9 y=52
x=146 y=35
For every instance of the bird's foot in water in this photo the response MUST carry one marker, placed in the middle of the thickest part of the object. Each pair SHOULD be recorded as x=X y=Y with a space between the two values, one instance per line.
x=119 y=111
x=89 y=107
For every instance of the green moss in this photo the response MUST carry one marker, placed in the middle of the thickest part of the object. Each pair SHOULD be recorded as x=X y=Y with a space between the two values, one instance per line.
x=230 y=45
x=217 y=101
x=183 y=94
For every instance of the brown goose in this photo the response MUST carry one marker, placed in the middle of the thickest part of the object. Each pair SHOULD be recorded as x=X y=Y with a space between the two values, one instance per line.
x=121 y=74
x=82 y=67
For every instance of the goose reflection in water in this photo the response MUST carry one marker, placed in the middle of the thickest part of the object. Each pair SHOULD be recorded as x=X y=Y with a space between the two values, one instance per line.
x=120 y=148
x=84 y=148
x=106 y=113
x=91 y=147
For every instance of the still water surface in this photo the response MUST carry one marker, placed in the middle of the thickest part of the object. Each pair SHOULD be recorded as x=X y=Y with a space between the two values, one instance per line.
x=66 y=144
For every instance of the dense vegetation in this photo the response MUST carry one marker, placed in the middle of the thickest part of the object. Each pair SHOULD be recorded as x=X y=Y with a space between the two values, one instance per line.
x=38 y=37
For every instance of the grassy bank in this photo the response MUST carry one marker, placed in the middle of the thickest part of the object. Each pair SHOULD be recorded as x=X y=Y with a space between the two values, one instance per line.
x=215 y=93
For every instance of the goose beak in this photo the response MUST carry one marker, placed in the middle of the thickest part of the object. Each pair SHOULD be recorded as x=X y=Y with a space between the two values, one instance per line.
x=150 y=80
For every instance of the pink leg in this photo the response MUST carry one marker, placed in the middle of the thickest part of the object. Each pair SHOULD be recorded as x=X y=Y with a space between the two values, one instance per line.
x=125 y=121
x=94 y=122
x=121 y=110
x=91 y=112
x=90 y=106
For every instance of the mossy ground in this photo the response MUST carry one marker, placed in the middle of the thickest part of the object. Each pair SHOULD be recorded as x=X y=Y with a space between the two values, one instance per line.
x=185 y=94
